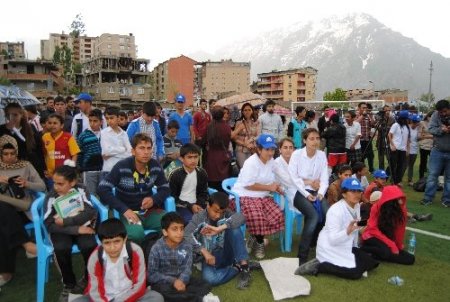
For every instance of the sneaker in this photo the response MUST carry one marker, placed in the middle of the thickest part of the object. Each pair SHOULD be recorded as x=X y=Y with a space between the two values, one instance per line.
x=411 y=220
x=80 y=287
x=425 y=202
x=259 y=251
x=4 y=280
x=446 y=204
x=64 y=297
x=243 y=280
x=424 y=217
x=254 y=265
x=250 y=244
x=309 y=268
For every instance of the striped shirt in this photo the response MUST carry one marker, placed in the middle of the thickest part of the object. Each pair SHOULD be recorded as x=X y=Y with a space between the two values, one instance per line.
x=90 y=157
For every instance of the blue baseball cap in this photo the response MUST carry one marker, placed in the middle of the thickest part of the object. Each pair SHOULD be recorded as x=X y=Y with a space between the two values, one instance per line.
x=180 y=98
x=83 y=97
x=403 y=114
x=351 y=184
x=415 y=118
x=380 y=174
x=266 y=141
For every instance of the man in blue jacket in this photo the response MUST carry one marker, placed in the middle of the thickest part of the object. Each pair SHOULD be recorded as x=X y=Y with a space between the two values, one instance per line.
x=128 y=189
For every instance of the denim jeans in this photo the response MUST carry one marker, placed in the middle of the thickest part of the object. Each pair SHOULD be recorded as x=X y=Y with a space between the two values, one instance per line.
x=438 y=161
x=311 y=221
x=233 y=251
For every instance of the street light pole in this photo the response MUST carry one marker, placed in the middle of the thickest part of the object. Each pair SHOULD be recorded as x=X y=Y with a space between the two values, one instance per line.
x=429 y=87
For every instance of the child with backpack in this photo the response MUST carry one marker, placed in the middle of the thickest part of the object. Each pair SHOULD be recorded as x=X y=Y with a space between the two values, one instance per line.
x=117 y=268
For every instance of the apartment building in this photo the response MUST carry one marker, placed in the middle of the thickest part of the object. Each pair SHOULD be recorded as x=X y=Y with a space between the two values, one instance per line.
x=391 y=96
x=122 y=81
x=218 y=79
x=173 y=76
x=116 y=45
x=40 y=77
x=293 y=85
x=12 y=50
x=82 y=47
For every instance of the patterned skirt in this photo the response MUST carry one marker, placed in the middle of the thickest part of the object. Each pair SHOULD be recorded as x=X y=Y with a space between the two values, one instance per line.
x=262 y=215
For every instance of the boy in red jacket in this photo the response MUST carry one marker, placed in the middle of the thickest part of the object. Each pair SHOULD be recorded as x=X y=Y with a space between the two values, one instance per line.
x=117 y=268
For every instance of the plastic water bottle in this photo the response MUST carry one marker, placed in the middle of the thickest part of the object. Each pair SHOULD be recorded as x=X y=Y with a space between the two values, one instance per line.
x=412 y=244
x=395 y=280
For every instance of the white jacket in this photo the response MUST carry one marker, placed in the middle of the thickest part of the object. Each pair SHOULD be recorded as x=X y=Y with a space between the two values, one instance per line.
x=334 y=245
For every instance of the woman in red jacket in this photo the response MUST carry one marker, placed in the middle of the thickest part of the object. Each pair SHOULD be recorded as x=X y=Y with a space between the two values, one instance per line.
x=383 y=237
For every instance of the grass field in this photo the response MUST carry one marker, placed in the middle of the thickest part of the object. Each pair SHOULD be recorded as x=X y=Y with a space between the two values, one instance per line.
x=427 y=280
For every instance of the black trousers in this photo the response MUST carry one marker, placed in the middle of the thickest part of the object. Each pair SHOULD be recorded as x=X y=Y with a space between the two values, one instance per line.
x=423 y=162
x=367 y=152
x=194 y=292
x=398 y=161
x=12 y=236
x=364 y=262
x=379 y=250
x=62 y=243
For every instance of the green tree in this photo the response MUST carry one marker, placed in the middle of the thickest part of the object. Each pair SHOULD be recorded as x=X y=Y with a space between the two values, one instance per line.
x=338 y=95
x=4 y=53
x=425 y=97
x=77 y=68
x=4 y=81
x=77 y=28
x=57 y=55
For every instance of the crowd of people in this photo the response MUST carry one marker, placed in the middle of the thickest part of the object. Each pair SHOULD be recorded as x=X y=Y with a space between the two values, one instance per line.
x=134 y=163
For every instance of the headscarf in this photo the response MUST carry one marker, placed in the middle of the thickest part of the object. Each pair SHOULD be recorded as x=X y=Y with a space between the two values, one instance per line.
x=7 y=139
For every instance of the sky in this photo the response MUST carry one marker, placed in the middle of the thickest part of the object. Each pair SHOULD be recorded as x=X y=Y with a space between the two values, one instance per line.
x=169 y=28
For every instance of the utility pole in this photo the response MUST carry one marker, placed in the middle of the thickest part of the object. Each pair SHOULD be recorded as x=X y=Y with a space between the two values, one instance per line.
x=429 y=87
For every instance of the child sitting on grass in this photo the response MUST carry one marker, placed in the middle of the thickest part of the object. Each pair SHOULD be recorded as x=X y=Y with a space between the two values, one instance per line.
x=117 y=268
x=170 y=263
x=68 y=227
x=215 y=233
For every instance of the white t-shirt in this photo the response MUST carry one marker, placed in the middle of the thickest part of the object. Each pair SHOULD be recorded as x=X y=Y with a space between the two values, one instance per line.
x=116 y=281
x=189 y=189
x=281 y=170
x=351 y=132
x=399 y=136
x=414 y=143
x=254 y=171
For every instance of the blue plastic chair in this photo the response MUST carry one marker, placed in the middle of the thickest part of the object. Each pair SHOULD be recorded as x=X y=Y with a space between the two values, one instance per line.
x=169 y=206
x=44 y=245
x=227 y=186
x=289 y=217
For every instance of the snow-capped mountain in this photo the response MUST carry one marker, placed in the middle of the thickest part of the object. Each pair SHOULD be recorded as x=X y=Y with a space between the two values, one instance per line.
x=348 y=51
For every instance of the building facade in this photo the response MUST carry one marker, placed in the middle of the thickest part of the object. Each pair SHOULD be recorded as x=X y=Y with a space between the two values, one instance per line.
x=294 y=85
x=40 y=77
x=12 y=50
x=82 y=47
x=390 y=96
x=222 y=78
x=121 y=81
x=116 y=45
x=173 y=76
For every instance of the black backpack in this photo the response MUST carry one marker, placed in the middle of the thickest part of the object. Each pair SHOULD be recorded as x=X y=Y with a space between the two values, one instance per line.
x=419 y=186
x=129 y=251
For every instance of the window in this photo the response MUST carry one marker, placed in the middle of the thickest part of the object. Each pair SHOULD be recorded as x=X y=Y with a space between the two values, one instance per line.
x=109 y=46
x=121 y=40
x=111 y=89
x=140 y=91
x=290 y=92
x=122 y=47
